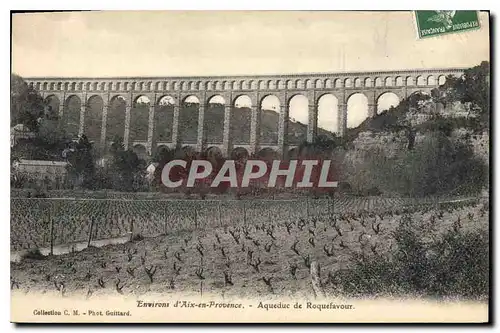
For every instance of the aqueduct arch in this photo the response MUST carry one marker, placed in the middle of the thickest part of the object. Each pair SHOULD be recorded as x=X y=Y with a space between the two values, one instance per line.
x=101 y=108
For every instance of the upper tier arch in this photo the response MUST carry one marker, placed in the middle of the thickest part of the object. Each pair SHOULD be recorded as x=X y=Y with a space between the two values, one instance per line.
x=321 y=82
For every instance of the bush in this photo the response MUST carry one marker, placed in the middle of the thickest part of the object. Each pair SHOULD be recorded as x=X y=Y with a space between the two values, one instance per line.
x=436 y=166
x=33 y=254
x=373 y=191
x=345 y=187
x=439 y=166
x=454 y=265
x=447 y=125
x=136 y=237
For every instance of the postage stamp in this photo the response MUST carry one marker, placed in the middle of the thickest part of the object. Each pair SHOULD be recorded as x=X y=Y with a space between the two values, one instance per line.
x=439 y=22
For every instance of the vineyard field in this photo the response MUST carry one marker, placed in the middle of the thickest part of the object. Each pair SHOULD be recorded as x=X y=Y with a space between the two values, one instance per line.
x=268 y=253
x=70 y=219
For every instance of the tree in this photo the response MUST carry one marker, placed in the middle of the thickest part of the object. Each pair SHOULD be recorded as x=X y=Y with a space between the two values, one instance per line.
x=163 y=155
x=81 y=162
x=117 y=145
x=322 y=145
x=126 y=169
x=26 y=105
x=418 y=100
x=472 y=89
x=50 y=132
x=49 y=142
x=29 y=109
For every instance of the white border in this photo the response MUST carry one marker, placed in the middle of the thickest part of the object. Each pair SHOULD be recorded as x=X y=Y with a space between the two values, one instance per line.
x=199 y=5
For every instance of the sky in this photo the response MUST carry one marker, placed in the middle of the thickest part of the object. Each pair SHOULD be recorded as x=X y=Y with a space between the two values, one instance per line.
x=161 y=43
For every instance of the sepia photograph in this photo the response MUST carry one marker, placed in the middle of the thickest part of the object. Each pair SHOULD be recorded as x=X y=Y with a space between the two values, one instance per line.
x=250 y=166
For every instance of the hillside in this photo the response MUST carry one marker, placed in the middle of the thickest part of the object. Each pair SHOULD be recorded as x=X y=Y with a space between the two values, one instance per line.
x=214 y=125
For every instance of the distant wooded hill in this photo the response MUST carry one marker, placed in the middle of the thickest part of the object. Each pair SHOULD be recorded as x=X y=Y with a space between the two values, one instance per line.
x=214 y=125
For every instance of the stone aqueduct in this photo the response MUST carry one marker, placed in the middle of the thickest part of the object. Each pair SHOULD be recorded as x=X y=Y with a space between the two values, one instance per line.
x=313 y=86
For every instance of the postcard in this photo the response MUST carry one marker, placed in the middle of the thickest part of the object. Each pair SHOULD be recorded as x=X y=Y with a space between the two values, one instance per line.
x=250 y=167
